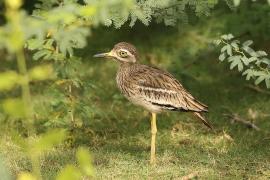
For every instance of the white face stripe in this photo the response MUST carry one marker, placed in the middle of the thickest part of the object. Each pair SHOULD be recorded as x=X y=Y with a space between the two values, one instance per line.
x=123 y=50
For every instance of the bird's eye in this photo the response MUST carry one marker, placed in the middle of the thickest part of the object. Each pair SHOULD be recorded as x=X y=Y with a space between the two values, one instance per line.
x=123 y=53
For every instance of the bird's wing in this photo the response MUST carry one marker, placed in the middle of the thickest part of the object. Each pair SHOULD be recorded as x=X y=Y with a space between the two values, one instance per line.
x=162 y=89
x=203 y=120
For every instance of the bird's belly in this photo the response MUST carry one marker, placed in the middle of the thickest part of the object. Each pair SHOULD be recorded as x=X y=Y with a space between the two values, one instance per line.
x=145 y=104
x=133 y=94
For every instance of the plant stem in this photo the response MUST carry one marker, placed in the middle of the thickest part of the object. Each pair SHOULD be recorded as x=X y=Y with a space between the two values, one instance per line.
x=26 y=97
x=36 y=166
x=71 y=105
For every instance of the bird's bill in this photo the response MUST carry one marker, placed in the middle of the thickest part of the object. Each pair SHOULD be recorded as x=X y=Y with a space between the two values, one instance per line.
x=108 y=54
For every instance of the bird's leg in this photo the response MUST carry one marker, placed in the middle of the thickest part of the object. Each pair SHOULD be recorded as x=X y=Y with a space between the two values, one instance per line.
x=153 y=138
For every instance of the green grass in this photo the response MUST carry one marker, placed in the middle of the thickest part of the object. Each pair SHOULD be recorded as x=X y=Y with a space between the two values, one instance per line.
x=118 y=134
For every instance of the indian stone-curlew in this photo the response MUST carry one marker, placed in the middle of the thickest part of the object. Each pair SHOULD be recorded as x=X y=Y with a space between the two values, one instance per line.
x=154 y=89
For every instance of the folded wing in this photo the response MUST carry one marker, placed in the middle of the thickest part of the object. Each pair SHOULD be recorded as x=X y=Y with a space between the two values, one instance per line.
x=162 y=89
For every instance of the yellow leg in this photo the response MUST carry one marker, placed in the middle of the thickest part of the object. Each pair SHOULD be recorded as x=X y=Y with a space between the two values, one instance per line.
x=153 y=138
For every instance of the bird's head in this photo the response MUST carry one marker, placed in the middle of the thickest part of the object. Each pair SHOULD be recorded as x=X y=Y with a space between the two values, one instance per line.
x=123 y=52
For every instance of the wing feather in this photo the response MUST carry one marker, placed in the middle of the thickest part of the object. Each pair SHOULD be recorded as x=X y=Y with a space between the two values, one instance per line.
x=161 y=88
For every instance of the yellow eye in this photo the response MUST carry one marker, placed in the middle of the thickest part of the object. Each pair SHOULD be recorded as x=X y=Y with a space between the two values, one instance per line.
x=123 y=54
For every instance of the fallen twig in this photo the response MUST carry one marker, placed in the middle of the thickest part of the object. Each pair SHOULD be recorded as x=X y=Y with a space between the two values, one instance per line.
x=258 y=89
x=190 y=176
x=236 y=118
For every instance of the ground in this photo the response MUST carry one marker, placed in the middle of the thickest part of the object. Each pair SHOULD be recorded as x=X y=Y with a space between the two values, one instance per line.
x=118 y=134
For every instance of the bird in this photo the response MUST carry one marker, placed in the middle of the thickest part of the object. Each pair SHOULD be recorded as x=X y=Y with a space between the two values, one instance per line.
x=154 y=89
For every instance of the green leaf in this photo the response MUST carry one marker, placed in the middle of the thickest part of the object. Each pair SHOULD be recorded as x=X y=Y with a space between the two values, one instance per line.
x=212 y=2
x=87 y=11
x=259 y=73
x=85 y=162
x=233 y=58
x=248 y=73
x=230 y=36
x=235 y=45
x=236 y=61
x=8 y=80
x=233 y=64
x=259 y=80
x=245 y=60
x=15 y=107
x=49 y=44
x=240 y=66
x=42 y=72
x=265 y=61
x=33 y=44
x=247 y=43
x=236 y=41
x=251 y=59
x=229 y=50
x=227 y=36
x=222 y=57
x=224 y=48
x=41 y=53
x=267 y=82
x=217 y=41
x=250 y=51
x=236 y=2
x=261 y=53
x=48 y=140
x=69 y=173
x=26 y=176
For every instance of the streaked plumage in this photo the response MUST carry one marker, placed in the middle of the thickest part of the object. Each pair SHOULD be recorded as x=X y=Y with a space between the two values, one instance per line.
x=154 y=89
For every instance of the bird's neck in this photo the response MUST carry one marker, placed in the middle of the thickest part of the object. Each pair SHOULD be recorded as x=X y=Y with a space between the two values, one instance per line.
x=124 y=67
x=124 y=71
x=126 y=64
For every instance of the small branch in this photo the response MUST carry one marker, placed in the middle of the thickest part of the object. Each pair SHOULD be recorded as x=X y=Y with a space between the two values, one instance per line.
x=72 y=105
x=236 y=50
x=258 y=89
x=236 y=118
x=25 y=90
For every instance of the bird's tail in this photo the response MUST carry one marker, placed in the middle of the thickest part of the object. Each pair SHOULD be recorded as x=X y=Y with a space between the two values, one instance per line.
x=203 y=120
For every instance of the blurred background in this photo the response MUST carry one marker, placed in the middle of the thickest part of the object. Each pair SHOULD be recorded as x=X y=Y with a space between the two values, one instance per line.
x=62 y=116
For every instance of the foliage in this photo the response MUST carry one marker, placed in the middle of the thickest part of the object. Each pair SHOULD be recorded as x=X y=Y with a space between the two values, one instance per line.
x=117 y=132
x=254 y=19
x=14 y=35
x=237 y=2
x=170 y=11
x=249 y=18
x=253 y=64
x=84 y=170
x=64 y=26
x=46 y=93
x=52 y=32
x=66 y=22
